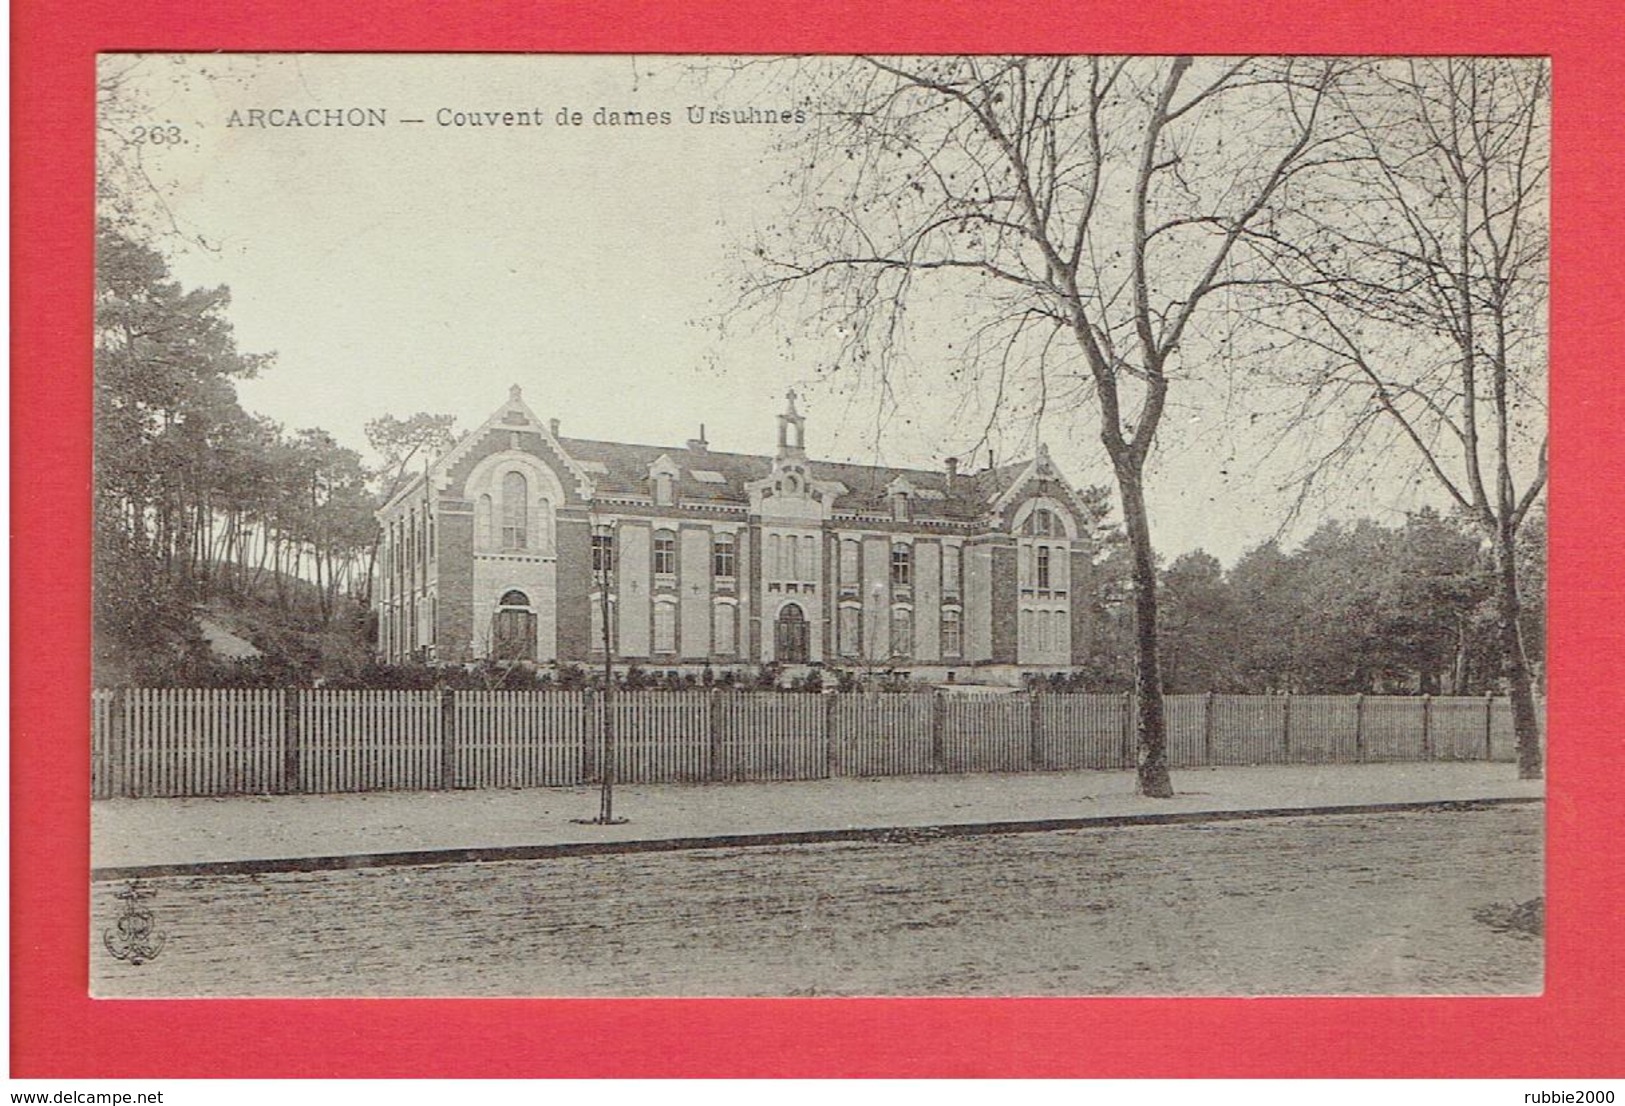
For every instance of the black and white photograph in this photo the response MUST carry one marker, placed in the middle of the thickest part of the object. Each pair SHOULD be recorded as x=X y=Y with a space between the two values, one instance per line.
x=682 y=526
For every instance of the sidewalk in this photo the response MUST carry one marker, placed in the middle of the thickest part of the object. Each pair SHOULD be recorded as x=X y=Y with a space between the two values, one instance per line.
x=365 y=828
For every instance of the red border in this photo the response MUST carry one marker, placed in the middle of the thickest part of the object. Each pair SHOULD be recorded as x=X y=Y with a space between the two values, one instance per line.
x=1576 y=1029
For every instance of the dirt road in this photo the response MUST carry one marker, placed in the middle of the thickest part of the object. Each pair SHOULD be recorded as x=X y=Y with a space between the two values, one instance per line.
x=1378 y=903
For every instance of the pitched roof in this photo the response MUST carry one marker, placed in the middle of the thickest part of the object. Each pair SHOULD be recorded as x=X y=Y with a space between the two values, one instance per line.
x=712 y=476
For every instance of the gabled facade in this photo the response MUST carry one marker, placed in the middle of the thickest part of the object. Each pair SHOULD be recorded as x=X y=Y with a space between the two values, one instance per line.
x=504 y=546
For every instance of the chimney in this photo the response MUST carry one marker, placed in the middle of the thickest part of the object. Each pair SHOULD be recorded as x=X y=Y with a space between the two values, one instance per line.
x=953 y=470
x=699 y=445
x=553 y=426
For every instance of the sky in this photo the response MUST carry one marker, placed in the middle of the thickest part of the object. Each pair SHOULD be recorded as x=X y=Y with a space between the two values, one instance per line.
x=428 y=266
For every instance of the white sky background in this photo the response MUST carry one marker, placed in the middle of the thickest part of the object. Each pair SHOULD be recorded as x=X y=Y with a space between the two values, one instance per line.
x=420 y=267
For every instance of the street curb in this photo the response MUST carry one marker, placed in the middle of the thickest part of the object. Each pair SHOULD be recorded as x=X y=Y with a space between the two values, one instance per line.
x=898 y=834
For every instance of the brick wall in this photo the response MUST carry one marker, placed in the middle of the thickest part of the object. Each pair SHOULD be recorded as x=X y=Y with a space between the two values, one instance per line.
x=1004 y=599
x=574 y=546
x=455 y=584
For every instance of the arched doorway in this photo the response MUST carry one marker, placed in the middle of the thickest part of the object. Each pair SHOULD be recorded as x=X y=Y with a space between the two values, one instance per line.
x=790 y=636
x=513 y=628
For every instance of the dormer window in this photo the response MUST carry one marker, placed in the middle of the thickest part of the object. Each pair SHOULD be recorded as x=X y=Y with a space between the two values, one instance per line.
x=663 y=482
x=899 y=506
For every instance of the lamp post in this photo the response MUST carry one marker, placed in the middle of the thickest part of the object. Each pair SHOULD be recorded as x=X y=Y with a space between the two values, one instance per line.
x=602 y=565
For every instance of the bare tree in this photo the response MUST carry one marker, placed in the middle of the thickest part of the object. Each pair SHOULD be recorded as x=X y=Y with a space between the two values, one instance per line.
x=1068 y=218
x=1418 y=272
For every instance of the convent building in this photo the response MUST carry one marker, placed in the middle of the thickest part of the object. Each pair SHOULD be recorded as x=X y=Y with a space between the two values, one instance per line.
x=505 y=547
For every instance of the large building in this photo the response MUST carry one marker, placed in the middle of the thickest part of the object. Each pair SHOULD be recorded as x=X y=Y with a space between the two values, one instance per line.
x=504 y=547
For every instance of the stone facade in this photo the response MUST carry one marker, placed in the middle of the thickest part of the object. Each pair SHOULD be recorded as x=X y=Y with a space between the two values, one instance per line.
x=504 y=548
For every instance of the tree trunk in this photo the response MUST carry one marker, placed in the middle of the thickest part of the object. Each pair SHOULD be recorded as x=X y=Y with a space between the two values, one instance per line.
x=1514 y=665
x=1151 y=730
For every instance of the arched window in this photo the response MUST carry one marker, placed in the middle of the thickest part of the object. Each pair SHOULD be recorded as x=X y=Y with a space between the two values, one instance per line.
x=544 y=525
x=515 y=512
x=513 y=628
x=790 y=644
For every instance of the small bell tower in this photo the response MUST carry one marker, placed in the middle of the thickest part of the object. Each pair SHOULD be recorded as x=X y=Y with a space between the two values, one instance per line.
x=792 y=430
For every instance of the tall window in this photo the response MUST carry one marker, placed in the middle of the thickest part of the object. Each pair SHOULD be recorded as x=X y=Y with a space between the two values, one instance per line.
x=603 y=551
x=902 y=564
x=775 y=566
x=722 y=556
x=849 y=561
x=793 y=547
x=515 y=490
x=1043 y=566
x=950 y=569
x=902 y=632
x=723 y=630
x=665 y=553
x=665 y=627
x=850 y=620
x=484 y=539
x=952 y=638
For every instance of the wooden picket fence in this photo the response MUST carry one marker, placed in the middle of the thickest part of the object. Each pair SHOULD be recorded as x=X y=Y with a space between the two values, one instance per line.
x=173 y=742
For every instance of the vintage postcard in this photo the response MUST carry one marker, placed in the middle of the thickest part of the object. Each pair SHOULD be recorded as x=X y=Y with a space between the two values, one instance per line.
x=690 y=526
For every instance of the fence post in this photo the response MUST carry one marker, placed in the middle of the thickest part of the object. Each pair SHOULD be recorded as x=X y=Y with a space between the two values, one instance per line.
x=1427 y=727
x=939 y=745
x=1035 y=732
x=448 y=739
x=1286 y=727
x=1489 y=725
x=293 y=734
x=1207 y=729
x=591 y=724
x=1129 y=759
x=1359 y=727
x=117 y=744
x=831 y=754
x=713 y=737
